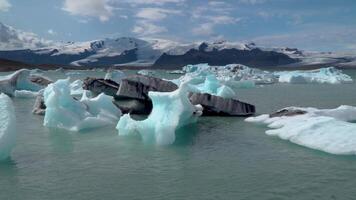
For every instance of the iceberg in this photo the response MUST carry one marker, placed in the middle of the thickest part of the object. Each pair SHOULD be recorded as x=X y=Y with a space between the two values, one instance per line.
x=328 y=130
x=329 y=75
x=22 y=79
x=146 y=72
x=212 y=86
x=7 y=126
x=76 y=87
x=115 y=75
x=63 y=111
x=171 y=111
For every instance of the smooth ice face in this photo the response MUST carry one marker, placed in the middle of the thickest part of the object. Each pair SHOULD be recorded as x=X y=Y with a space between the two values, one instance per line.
x=115 y=75
x=7 y=126
x=63 y=111
x=171 y=111
x=329 y=75
x=328 y=130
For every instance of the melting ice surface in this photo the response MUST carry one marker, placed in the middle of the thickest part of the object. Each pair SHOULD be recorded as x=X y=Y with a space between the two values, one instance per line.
x=328 y=130
x=324 y=75
x=7 y=126
x=171 y=111
x=63 y=111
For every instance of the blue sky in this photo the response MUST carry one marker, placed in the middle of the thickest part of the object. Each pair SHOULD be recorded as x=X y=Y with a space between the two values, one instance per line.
x=326 y=25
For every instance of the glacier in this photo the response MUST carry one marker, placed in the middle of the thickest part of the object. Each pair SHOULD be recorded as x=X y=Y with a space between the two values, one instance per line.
x=63 y=111
x=171 y=111
x=329 y=75
x=7 y=127
x=328 y=130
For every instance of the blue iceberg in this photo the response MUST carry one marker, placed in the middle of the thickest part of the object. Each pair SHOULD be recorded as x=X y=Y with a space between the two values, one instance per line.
x=7 y=126
x=171 y=111
x=63 y=111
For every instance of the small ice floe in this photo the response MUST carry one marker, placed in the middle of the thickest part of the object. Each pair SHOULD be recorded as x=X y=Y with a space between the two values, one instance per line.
x=146 y=72
x=176 y=72
x=22 y=79
x=171 y=111
x=329 y=75
x=7 y=126
x=63 y=111
x=328 y=130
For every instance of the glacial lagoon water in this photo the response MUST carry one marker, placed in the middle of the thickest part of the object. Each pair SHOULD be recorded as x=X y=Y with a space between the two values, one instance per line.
x=218 y=158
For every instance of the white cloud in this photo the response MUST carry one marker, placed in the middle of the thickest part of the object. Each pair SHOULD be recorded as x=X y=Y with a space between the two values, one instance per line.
x=205 y=29
x=51 y=32
x=11 y=39
x=145 y=28
x=253 y=2
x=4 y=5
x=89 y=8
x=155 y=2
x=155 y=14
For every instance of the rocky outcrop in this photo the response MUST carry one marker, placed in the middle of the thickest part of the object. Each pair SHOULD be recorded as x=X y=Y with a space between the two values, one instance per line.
x=97 y=86
x=137 y=87
x=39 y=108
x=218 y=106
x=254 y=57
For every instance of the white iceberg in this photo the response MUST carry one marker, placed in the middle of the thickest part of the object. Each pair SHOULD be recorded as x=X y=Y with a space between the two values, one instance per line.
x=63 y=111
x=328 y=130
x=329 y=75
x=171 y=111
x=7 y=126
x=115 y=75
x=23 y=79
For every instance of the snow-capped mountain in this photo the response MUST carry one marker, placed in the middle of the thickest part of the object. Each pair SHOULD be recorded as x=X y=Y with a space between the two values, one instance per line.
x=128 y=51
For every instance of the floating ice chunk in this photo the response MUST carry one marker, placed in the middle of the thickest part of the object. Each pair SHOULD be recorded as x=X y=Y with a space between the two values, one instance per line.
x=25 y=94
x=22 y=80
x=171 y=111
x=146 y=72
x=324 y=75
x=63 y=111
x=328 y=130
x=115 y=75
x=7 y=126
x=212 y=86
x=76 y=87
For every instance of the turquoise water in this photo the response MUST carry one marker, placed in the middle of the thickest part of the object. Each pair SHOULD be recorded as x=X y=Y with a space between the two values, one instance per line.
x=218 y=158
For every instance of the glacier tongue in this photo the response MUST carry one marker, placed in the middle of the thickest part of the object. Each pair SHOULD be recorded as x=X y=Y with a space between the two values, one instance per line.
x=328 y=130
x=171 y=111
x=63 y=111
x=7 y=126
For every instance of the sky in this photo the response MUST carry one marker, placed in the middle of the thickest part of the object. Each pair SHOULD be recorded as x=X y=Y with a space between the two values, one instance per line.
x=321 y=25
